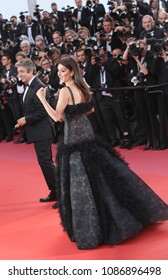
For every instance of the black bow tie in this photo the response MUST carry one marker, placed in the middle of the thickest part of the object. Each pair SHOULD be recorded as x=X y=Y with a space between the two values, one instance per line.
x=26 y=85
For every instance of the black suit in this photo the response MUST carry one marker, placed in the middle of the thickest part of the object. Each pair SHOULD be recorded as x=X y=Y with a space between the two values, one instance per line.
x=40 y=130
x=85 y=17
x=109 y=107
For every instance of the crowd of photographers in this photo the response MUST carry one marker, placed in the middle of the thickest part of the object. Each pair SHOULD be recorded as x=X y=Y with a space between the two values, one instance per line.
x=122 y=55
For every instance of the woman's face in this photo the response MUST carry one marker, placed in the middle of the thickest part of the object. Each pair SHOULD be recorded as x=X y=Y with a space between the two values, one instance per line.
x=64 y=74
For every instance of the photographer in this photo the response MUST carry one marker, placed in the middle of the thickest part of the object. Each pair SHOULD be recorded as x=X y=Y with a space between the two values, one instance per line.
x=106 y=37
x=15 y=29
x=57 y=13
x=106 y=73
x=57 y=39
x=97 y=11
x=140 y=68
x=69 y=38
x=48 y=73
x=150 y=30
x=54 y=54
x=26 y=47
x=32 y=29
x=11 y=107
x=55 y=25
x=3 y=33
x=160 y=69
x=81 y=16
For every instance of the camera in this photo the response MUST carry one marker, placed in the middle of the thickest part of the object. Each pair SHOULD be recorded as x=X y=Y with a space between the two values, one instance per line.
x=67 y=12
x=159 y=46
x=22 y=16
x=111 y=5
x=37 y=12
x=34 y=53
x=134 y=49
x=7 y=84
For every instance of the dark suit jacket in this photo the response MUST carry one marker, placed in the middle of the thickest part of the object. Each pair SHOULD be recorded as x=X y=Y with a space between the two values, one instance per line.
x=113 y=72
x=39 y=126
x=85 y=17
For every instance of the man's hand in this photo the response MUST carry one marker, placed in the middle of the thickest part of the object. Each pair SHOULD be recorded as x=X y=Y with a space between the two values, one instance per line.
x=20 y=122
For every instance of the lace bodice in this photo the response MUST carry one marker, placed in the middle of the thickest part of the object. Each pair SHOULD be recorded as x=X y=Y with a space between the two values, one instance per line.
x=77 y=126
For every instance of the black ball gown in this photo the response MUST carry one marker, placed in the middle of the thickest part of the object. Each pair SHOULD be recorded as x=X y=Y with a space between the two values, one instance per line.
x=100 y=199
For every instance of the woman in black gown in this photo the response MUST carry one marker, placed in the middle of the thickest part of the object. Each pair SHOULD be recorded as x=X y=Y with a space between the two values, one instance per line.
x=100 y=199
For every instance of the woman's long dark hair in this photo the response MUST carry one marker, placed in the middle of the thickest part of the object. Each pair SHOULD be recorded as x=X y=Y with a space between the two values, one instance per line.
x=72 y=65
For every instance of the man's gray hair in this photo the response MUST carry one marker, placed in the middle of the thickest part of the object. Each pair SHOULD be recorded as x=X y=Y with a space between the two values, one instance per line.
x=26 y=63
x=24 y=42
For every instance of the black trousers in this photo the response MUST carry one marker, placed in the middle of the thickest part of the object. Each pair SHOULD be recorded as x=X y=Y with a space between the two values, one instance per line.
x=114 y=121
x=44 y=155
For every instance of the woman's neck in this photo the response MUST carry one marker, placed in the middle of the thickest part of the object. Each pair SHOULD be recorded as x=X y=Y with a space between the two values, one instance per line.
x=69 y=83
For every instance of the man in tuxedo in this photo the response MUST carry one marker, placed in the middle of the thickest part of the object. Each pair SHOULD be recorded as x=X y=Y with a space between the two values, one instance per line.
x=81 y=16
x=38 y=126
x=58 y=41
x=58 y=14
x=107 y=38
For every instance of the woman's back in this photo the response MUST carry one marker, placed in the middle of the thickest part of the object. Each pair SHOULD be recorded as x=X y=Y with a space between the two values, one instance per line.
x=77 y=127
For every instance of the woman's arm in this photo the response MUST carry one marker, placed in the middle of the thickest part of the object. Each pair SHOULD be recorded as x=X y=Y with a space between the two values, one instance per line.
x=57 y=114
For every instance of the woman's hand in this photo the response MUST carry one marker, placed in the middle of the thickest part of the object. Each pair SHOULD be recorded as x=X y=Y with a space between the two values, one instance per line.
x=41 y=93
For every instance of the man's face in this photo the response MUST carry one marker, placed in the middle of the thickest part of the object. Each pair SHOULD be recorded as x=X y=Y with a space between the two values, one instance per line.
x=147 y=24
x=45 y=64
x=14 y=20
x=107 y=26
x=40 y=44
x=78 y=3
x=5 y=61
x=57 y=38
x=81 y=57
x=25 y=48
x=162 y=17
x=24 y=75
x=54 y=8
x=45 y=15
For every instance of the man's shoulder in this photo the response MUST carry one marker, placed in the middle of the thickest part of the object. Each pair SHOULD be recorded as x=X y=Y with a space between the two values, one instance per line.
x=36 y=83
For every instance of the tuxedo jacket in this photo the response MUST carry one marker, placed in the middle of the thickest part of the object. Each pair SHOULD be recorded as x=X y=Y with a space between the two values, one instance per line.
x=85 y=17
x=39 y=126
x=113 y=75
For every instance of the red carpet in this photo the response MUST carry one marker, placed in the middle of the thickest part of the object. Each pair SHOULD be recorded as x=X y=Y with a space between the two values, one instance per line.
x=31 y=230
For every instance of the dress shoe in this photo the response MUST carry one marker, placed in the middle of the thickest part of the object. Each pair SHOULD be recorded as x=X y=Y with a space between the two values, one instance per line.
x=20 y=140
x=50 y=197
x=9 y=138
x=55 y=205
x=139 y=142
x=148 y=146
x=163 y=147
x=125 y=144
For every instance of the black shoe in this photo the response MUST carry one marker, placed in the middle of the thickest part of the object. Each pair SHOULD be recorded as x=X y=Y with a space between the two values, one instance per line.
x=139 y=142
x=163 y=147
x=9 y=138
x=55 y=205
x=148 y=146
x=125 y=144
x=50 y=197
x=20 y=140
